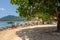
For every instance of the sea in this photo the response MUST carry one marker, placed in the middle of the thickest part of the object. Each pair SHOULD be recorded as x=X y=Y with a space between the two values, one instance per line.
x=5 y=23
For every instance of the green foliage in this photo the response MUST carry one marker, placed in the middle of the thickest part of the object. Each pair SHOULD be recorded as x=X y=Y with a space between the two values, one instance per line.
x=45 y=16
x=35 y=8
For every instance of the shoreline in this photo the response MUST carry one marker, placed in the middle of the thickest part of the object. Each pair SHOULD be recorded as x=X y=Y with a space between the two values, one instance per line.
x=25 y=26
x=7 y=34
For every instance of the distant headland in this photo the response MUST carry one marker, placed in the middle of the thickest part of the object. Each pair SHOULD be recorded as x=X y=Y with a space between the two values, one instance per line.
x=11 y=18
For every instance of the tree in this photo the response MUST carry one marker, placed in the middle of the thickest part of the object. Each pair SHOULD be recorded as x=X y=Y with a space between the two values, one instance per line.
x=34 y=8
x=27 y=10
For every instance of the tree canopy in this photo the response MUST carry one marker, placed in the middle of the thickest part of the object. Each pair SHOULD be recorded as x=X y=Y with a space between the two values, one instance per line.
x=36 y=8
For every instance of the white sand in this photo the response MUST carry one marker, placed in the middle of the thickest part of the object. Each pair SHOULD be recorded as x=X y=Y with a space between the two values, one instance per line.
x=10 y=34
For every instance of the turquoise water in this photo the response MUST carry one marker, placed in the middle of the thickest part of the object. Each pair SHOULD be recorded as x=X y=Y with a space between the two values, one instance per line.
x=20 y=22
x=4 y=23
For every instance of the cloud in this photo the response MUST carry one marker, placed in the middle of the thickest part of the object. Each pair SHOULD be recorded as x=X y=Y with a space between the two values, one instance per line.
x=2 y=9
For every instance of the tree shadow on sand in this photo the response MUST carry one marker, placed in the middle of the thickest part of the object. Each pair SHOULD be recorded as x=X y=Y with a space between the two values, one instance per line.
x=44 y=33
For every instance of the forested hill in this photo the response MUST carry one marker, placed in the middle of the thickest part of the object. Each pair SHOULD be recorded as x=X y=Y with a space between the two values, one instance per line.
x=11 y=18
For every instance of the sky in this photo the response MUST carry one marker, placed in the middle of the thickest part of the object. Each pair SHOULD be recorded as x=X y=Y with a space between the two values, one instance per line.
x=7 y=9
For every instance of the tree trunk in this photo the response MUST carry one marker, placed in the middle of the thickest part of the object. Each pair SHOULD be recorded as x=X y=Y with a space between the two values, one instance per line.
x=58 y=19
x=58 y=23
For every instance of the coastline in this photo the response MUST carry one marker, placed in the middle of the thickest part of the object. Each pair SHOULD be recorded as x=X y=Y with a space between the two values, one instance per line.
x=10 y=34
x=27 y=26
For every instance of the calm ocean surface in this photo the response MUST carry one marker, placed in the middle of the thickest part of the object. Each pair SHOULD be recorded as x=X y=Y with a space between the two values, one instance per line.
x=5 y=23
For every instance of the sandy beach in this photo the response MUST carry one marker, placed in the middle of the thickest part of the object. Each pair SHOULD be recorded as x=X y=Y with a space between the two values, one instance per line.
x=38 y=32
